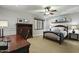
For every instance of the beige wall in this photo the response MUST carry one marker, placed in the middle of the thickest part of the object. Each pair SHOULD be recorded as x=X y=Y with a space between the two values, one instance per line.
x=11 y=17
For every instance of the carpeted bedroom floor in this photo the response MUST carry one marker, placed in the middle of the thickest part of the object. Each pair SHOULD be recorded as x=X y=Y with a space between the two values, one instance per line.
x=40 y=45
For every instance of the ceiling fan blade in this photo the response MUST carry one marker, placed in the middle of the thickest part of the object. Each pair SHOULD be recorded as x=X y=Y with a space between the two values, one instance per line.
x=53 y=10
x=51 y=13
x=48 y=11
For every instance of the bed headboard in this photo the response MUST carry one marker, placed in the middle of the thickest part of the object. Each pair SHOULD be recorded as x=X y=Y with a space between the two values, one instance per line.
x=62 y=26
x=66 y=27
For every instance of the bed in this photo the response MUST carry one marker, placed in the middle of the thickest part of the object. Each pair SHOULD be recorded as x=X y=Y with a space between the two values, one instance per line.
x=58 y=33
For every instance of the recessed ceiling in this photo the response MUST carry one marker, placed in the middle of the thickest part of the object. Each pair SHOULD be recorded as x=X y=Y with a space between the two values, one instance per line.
x=38 y=9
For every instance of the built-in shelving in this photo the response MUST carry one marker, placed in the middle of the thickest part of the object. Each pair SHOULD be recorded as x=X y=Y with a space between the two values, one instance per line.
x=61 y=22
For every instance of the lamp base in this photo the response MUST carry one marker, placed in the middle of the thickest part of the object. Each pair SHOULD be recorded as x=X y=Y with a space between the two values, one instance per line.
x=73 y=31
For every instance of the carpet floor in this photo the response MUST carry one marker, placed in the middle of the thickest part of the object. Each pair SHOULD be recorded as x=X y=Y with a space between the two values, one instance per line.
x=40 y=45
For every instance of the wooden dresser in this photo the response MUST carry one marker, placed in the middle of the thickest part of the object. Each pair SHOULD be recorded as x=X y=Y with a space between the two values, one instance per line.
x=16 y=44
x=22 y=29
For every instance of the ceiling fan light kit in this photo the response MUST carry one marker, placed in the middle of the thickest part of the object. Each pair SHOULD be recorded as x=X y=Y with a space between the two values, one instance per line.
x=49 y=11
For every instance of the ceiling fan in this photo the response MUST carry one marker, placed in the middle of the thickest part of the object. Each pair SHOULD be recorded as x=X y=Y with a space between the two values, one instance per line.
x=48 y=10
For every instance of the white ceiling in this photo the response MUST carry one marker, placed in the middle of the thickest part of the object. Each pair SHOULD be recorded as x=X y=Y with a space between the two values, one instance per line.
x=38 y=9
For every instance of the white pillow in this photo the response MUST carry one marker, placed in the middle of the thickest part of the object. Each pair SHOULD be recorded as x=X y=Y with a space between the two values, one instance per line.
x=61 y=28
x=55 y=29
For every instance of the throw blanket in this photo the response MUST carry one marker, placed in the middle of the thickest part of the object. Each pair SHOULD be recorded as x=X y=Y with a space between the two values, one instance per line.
x=61 y=35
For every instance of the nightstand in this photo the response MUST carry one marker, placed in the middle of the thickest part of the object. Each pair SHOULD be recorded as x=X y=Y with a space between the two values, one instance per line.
x=73 y=36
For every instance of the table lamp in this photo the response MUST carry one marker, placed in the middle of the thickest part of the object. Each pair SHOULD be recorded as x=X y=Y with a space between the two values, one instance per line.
x=3 y=24
x=73 y=27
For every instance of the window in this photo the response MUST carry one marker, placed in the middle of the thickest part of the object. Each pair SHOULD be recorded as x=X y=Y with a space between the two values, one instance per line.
x=38 y=24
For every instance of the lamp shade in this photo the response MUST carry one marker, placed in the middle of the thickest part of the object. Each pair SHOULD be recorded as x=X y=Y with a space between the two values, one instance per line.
x=3 y=23
x=50 y=26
